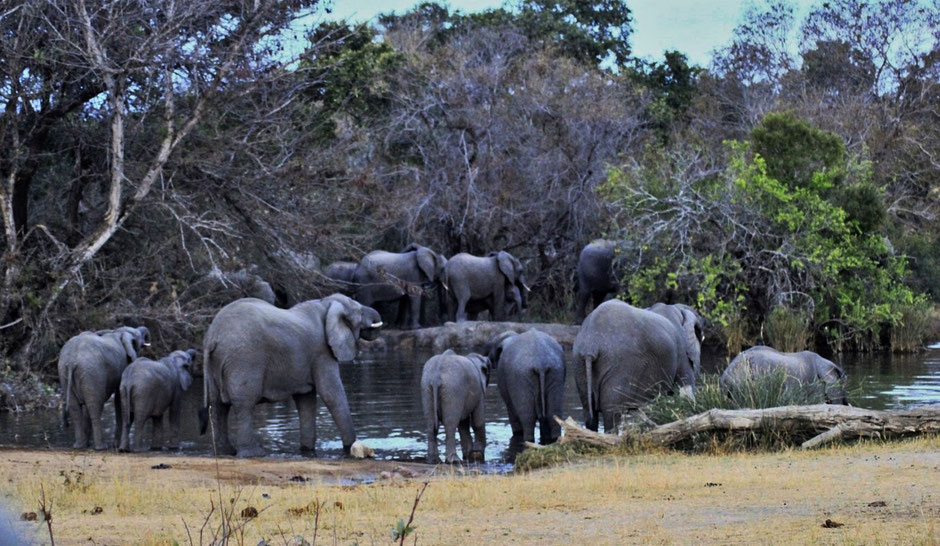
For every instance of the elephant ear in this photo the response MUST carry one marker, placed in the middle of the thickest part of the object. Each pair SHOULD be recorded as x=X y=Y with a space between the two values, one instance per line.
x=484 y=365
x=692 y=331
x=504 y=260
x=426 y=262
x=340 y=337
x=127 y=340
x=494 y=349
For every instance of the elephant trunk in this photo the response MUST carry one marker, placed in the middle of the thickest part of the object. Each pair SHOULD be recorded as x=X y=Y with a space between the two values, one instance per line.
x=541 y=412
x=68 y=397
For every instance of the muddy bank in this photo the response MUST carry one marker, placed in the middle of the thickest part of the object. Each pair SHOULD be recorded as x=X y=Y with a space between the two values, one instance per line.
x=464 y=336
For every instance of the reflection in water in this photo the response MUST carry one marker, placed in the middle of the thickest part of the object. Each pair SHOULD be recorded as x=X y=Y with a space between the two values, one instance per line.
x=384 y=398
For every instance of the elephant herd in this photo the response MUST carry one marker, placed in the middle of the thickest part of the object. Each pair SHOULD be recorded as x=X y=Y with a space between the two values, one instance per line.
x=254 y=352
x=465 y=285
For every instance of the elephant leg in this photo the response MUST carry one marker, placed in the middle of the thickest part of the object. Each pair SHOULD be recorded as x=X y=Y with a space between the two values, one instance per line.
x=330 y=388
x=139 y=425
x=450 y=441
x=118 y=417
x=246 y=441
x=598 y=298
x=82 y=425
x=401 y=316
x=220 y=411
x=466 y=443
x=610 y=421
x=583 y=296
x=462 y=308
x=156 y=440
x=174 y=425
x=433 y=457
x=414 y=311
x=478 y=447
x=124 y=444
x=97 y=434
x=307 y=412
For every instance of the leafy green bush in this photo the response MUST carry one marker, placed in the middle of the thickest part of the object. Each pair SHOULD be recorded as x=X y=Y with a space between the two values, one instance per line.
x=787 y=329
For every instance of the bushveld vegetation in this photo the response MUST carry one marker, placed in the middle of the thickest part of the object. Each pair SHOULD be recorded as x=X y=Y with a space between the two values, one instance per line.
x=149 y=150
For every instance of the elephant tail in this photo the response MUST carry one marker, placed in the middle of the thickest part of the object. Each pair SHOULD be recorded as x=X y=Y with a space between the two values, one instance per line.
x=204 y=410
x=68 y=396
x=541 y=410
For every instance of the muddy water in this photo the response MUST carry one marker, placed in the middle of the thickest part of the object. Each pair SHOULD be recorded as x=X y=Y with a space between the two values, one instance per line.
x=383 y=392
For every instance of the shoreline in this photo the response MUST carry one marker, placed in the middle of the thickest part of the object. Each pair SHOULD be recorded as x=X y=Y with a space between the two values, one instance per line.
x=878 y=492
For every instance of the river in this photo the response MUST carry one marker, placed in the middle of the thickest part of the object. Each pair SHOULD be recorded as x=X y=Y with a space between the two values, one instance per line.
x=383 y=392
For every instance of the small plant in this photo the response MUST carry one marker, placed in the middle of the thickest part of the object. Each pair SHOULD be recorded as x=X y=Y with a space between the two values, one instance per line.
x=402 y=528
x=787 y=329
x=909 y=332
x=556 y=454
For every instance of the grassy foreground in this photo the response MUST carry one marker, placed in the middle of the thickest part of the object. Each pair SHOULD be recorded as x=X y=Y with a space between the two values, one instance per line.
x=656 y=498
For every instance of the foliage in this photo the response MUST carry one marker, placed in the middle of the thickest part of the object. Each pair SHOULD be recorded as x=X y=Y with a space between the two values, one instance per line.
x=556 y=454
x=788 y=329
x=776 y=229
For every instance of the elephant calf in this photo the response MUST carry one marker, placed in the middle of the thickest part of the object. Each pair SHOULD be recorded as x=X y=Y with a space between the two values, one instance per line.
x=802 y=368
x=530 y=373
x=452 y=393
x=148 y=390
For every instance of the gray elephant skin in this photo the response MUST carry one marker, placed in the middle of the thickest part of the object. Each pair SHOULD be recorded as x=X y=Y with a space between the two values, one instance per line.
x=343 y=276
x=90 y=368
x=151 y=389
x=624 y=356
x=255 y=352
x=453 y=389
x=495 y=282
x=802 y=368
x=399 y=277
x=596 y=278
x=530 y=375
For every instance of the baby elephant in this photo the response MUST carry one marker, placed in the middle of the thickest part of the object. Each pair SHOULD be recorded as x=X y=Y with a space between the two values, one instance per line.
x=149 y=389
x=803 y=368
x=452 y=392
x=530 y=373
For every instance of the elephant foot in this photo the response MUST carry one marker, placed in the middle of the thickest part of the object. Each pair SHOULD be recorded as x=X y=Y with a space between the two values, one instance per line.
x=433 y=460
x=80 y=445
x=251 y=451
x=123 y=449
x=101 y=447
x=227 y=449
x=312 y=451
x=475 y=457
x=452 y=459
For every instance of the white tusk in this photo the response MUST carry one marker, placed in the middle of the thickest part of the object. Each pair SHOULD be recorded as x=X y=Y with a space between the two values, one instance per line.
x=527 y=289
x=146 y=345
x=377 y=325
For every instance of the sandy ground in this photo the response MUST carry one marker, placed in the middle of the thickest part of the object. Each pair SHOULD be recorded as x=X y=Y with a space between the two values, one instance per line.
x=875 y=493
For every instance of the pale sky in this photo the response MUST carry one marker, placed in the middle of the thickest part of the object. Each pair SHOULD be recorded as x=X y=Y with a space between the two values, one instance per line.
x=692 y=27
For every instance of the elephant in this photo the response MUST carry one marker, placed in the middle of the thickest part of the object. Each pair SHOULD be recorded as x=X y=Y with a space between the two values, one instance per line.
x=596 y=278
x=453 y=389
x=802 y=368
x=530 y=374
x=149 y=389
x=342 y=273
x=399 y=276
x=90 y=368
x=251 y=285
x=254 y=352
x=497 y=280
x=625 y=356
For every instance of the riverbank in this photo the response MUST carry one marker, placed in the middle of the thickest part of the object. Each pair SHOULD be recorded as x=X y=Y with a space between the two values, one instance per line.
x=869 y=492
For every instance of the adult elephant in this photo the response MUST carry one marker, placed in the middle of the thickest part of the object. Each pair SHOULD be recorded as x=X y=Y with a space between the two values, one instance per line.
x=497 y=281
x=90 y=368
x=596 y=277
x=342 y=275
x=255 y=352
x=625 y=356
x=800 y=369
x=399 y=276
x=530 y=374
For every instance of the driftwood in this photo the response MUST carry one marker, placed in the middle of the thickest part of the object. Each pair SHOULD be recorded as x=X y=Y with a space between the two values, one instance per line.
x=828 y=422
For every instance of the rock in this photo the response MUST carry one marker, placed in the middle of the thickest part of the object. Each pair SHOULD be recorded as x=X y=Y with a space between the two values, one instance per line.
x=360 y=450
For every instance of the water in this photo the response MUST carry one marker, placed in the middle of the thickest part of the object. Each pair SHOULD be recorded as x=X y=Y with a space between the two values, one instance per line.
x=384 y=397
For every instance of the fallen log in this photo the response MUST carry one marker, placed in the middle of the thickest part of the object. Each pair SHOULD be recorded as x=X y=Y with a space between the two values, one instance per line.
x=826 y=422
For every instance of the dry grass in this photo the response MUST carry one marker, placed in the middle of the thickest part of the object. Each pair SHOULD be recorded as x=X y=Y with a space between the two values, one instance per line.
x=655 y=498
